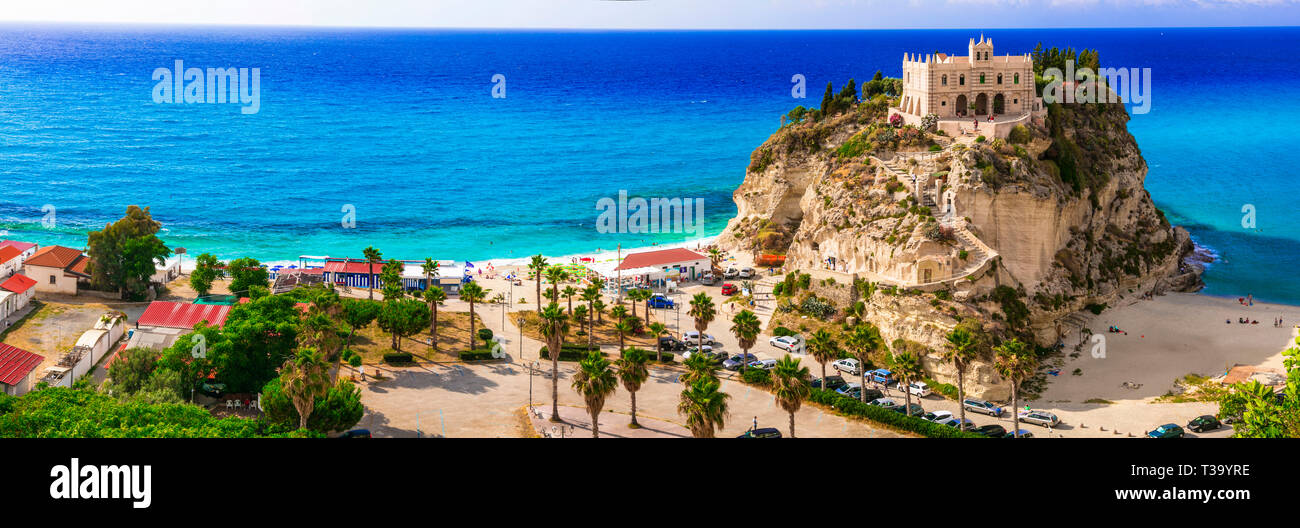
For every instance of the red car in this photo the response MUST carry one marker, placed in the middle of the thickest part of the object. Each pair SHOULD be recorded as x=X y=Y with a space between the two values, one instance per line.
x=729 y=289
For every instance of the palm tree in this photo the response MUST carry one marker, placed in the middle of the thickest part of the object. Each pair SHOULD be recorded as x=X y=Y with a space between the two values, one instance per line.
x=430 y=268
x=568 y=292
x=863 y=342
x=823 y=349
x=472 y=293
x=595 y=381
x=537 y=266
x=790 y=386
x=590 y=295
x=556 y=275
x=435 y=296
x=1016 y=364
x=554 y=324
x=907 y=366
x=715 y=256
x=658 y=329
x=698 y=368
x=623 y=326
x=632 y=372
x=705 y=408
x=598 y=309
x=372 y=256
x=703 y=312
x=745 y=326
x=959 y=351
x=303 y=378
x=579 y=314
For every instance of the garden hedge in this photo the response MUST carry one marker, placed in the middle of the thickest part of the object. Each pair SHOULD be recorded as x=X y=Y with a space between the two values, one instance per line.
x=852 y=407
x=478 y=354
x=398 y=357
x=569 y=353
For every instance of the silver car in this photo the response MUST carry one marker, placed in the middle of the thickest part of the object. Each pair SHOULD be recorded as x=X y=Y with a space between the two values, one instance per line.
x=1042 y=418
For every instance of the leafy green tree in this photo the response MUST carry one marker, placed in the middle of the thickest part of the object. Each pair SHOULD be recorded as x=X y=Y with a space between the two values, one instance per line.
x=790 y=386
x=245 y=274
x=123 y=254
x=390 y=279
x=594 y=381
x=828 y=100
x=633 y=373
x=262 y=335
x=698 y=368
x=960 y=351
x=554 y=324
x=864 y=341
x=1016 y=363
x=191 y=356
x=206 y=271
x=404 y=318
x=130 y=372
x=705 y=408
x=358 y=314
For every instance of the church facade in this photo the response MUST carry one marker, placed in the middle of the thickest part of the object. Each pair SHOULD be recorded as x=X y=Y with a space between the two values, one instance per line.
x=971 y=86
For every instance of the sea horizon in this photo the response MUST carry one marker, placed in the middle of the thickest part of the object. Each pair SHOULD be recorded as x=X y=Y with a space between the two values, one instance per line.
x=400 y=124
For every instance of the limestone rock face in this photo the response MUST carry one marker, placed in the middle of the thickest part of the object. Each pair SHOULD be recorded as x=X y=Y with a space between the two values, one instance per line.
x=1019 y=235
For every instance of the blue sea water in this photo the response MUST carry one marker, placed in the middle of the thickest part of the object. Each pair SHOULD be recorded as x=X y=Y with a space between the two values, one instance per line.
x=402 y=125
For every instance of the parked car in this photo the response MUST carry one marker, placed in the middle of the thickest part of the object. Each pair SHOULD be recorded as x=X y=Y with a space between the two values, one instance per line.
x=693 y=338
x=917 y=388
x=765 y=432
x=831 y=382
x=765 y=364
x=981 y=406
x=734 y=362
x=730 y=289
x=692 y=350
x=671 y=344
x=747 y=273
x=917 y=411
x=731 y=273
x=992 y=431
x=937 y=416
x=881 y=376
x=659 y=301
x=883 y=402
x=1042 y=418
x=1166 y=431
x=847 y=365
x=708 y=279
x=852 y=390
x=1024 y=433
x=718 y=356
x=356 y=433
x=955 y=422
x=1203 y=423
x=792 y=343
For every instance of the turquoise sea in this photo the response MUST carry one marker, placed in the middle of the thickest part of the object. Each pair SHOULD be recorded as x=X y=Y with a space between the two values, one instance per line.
x=401 y=125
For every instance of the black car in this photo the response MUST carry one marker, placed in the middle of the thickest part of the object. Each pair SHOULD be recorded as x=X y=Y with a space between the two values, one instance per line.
x=917 y=411
x=671 y=344
x=992 y=431
x=766 y=432
x=1204 y=423
x=356 y=433
x=832 y=383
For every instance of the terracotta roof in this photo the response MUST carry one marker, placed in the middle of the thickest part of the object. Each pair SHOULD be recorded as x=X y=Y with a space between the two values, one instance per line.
x=20 y=246
x=8 y=253
x=182 y=315
x=18 y=283
x=662 y=257
x=16 y=363
x=352 y=266
x=55 y=257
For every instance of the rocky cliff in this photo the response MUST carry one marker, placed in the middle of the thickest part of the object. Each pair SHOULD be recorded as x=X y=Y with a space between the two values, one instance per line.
x=1019 y=234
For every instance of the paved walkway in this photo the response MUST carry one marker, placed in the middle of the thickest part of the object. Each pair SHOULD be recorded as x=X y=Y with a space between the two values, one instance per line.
x=577 y=424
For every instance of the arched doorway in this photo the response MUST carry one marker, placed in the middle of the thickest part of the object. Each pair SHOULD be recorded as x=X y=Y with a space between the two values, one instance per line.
x=999 y=104
x=961 y=105
x=981 y=104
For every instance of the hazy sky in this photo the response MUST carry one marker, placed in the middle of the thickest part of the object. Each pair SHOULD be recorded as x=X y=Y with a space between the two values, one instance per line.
x=656 y=14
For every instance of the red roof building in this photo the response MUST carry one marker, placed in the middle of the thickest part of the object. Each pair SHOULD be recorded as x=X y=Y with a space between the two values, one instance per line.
x=661 y=258
x=18 y=283
x=352 y=266
x=16 y=365
x=8 y=253
x=22 y=247
x=183 y=315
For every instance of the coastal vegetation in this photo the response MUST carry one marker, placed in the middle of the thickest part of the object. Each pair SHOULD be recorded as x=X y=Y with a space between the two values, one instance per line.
x=123 y=254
